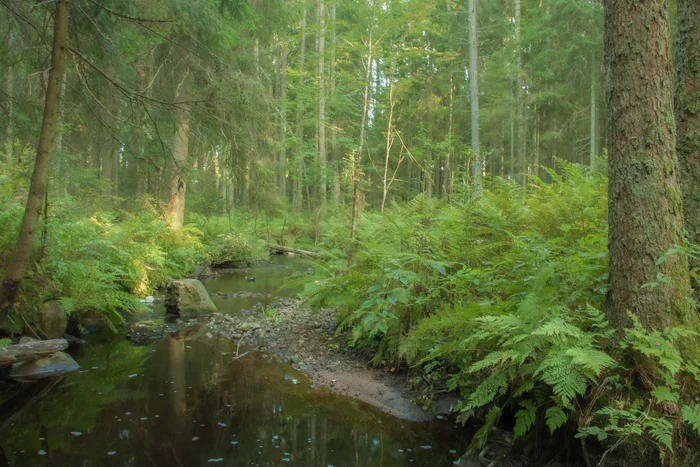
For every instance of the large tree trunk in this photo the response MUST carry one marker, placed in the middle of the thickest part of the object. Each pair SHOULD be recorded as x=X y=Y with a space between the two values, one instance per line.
x=688 y=111
x=644 y=197
x=477 y=165
x=21 y=255
x=178 y=181
x=298 y=196
x=322 y=156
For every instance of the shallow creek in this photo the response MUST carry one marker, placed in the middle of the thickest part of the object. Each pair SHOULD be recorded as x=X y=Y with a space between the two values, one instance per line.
x=186 y=401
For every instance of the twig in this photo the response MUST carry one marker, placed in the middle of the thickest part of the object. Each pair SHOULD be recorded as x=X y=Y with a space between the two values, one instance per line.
x=243 y=337
x=28 y=326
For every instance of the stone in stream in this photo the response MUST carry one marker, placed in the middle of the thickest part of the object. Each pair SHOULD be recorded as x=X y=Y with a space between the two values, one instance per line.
x=57 y=364
x=53 y=320
x=188 y=296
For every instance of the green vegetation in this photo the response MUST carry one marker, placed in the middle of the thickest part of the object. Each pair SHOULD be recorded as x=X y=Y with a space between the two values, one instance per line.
x=482 y=214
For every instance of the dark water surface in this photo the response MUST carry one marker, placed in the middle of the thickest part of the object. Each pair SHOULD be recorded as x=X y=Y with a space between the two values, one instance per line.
x=186 y=401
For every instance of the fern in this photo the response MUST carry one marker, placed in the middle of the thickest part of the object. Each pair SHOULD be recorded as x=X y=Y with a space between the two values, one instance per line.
x=692 y=417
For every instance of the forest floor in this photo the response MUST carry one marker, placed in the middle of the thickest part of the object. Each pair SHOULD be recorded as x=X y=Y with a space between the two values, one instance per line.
x=291 y=332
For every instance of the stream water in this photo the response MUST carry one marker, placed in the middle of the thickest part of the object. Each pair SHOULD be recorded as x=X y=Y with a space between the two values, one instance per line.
x=185 y=401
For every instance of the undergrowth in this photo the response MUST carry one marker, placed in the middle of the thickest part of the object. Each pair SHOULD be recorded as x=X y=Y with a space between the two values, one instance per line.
x=500 y=298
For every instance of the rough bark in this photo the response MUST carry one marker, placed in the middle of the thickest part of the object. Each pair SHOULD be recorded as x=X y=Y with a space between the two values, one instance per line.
x=22 y=252
x=687 y=111
x=178 y=181
x=477 y=164
x=322 y=155
x=644 y=197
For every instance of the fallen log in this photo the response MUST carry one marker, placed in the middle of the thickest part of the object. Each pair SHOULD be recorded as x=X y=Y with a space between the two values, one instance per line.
x=31 y=351
x=296 y=251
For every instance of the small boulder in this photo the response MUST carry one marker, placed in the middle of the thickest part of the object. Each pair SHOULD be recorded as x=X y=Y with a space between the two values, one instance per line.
x=53 y=320
x=57 y=364
x=188 y=296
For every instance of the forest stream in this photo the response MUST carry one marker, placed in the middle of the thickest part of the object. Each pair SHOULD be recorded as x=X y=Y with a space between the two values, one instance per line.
x=186 y=400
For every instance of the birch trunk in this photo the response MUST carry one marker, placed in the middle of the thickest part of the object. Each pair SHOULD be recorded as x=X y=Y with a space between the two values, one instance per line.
x=360 y=147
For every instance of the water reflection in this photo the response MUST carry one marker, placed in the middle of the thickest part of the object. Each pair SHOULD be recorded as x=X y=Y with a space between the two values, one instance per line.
x=186 y=401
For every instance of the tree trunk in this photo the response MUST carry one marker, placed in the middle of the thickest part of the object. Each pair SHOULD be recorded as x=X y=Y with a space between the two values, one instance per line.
x=477 y=164
x=178 y=181
x=594 y=137
x=322 y=156
x=688 y=111
x=360 y=147
x=519 y=98
x=335 y=156
x=298 y=197
x=9 y=91
x=22 y=252
x=389 y=140
x=644 y=198
x=282 y=163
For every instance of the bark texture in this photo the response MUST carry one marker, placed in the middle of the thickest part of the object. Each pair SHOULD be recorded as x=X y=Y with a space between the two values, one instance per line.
x=22 y=252
x=645 y=205
x=688 y=111
x=178 y=182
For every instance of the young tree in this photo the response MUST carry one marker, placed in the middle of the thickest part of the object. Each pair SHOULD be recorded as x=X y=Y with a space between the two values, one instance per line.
x=477 y=165
x=644 y=197
x=688 y=111
x=37 y=188
x=322 y=156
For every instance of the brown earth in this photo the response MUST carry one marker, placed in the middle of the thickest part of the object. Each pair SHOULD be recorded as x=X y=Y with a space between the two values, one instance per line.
x=293 y=333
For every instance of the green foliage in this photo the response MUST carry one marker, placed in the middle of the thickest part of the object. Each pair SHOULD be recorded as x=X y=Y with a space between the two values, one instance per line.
x=4 y=343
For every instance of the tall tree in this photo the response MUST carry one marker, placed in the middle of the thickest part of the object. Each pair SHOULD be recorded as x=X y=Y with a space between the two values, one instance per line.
x=17 y=267
x=687 y=98
x=322 y=155
x=298 y=196
x=519 y=97
x=477 y=165
x=644 y=197
x=180 y=150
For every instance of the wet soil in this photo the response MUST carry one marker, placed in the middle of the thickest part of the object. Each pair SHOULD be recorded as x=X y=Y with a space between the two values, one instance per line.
x=291 y=332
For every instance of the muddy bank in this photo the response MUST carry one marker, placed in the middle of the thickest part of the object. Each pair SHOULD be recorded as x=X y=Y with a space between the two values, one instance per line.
x=289 y=331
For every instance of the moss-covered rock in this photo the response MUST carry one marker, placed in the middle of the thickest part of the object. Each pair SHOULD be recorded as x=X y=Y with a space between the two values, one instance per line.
x=188 y=297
